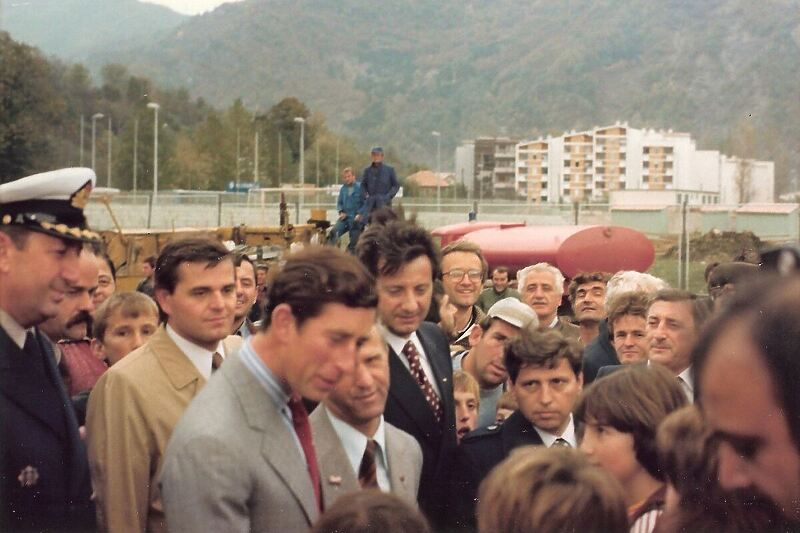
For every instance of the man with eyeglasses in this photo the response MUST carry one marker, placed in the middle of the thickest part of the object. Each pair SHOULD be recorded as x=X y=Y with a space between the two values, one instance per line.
x=463 y=272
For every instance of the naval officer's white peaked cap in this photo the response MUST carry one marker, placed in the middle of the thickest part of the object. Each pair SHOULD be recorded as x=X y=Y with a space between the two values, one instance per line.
x=50 y=202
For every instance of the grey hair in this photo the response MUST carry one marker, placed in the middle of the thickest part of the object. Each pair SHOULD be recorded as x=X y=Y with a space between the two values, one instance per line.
x=558 y=277
x=632 y=281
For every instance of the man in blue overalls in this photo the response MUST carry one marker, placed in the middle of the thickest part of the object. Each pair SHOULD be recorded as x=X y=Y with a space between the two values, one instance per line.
x=349 y=205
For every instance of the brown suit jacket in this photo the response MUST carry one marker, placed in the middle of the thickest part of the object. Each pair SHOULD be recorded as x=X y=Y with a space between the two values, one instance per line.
x=132 y=411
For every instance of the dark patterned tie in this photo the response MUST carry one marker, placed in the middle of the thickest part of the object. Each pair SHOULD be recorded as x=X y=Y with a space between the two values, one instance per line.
x=368 y=472
x=560 y=443
x=216 y=361
x=410 y=351
x=303 y=430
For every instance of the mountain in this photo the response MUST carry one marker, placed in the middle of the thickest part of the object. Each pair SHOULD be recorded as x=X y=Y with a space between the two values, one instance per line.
x=391 y=72
x=72 y=28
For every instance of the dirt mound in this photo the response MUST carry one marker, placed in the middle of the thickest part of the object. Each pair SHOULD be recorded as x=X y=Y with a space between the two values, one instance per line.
x=721 y=246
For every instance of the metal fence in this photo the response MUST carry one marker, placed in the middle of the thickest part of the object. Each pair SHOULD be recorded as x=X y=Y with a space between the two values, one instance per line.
x=210 y=209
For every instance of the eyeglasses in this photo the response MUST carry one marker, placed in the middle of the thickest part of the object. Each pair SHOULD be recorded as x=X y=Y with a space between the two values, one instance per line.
x=457 y=274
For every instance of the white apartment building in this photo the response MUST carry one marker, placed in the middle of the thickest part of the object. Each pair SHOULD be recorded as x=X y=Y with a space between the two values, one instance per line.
x=625 y=165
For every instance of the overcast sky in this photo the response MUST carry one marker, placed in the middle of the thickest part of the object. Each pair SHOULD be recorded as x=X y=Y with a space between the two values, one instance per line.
x=190 y=7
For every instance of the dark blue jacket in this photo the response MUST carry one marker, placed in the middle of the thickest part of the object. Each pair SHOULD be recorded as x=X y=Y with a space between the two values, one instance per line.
x=378 y=186
x=44 y=472
x=350 y=200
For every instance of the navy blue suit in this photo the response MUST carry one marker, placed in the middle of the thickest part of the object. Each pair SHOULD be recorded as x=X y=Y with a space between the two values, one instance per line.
x=407 y=409
x=478 y=454
x=45 y=481
x=378 y=186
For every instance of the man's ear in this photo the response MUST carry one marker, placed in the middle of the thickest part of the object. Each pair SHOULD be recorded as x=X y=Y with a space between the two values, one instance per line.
x=475 y=335
x=6 y=245
x=162 y=297
x=283 y=322
x=98 y=349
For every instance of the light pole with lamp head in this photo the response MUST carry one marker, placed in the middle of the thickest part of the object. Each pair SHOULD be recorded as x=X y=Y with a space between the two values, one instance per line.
x=301 y=171
x=154 y=106
x=95 y=118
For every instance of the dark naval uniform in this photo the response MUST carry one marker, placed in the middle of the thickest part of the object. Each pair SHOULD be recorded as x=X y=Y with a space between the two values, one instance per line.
x=44 y=472
x=479 y=452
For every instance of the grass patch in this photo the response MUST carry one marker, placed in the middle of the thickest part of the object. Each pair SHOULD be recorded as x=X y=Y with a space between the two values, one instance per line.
x=667 y=269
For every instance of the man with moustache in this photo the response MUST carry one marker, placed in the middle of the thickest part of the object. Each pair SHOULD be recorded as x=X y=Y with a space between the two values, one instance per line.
x=134 y=407
x=674 y=320
x=44 y=480
x=405 y=262
x=242 y=457
x=355 y=447
x=587 y=292
x=542 y=286
x=69 y=330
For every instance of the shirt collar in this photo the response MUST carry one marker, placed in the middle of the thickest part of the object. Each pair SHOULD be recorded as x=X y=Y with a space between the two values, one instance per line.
x=568 y=435
x=263 y=374
x=199 y=356
x=354 y=442
x=397 y=343
x=554 y=322
x=13 y=329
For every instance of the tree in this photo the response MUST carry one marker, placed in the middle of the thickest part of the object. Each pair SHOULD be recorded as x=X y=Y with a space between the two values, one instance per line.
x=282 y=116
x=29 y=108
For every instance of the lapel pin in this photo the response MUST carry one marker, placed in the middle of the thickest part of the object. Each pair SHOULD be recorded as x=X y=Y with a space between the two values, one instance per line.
x=335 y=480
x=402 y=479
x=28 y=477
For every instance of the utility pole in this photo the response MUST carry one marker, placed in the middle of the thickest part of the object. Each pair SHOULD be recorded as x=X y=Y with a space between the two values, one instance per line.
x=108 y=175
x=317 y=163
x=135 y=152
x=255 y=157
x=80 y=158
x=280 y=160
x=238 y=156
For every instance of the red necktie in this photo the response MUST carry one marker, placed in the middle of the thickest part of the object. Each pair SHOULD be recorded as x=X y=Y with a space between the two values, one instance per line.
x=303 y=430
x=411 y=353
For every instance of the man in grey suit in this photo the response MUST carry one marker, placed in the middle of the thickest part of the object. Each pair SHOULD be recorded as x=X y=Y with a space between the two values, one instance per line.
x=242 y=457
x=356 y=448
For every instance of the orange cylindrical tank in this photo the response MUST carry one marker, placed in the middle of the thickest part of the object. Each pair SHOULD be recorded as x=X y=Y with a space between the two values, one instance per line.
x=572 y=249
x=453 y=232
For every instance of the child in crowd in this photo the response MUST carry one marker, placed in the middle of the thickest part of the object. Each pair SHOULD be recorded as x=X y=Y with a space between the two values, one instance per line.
x=619 y=415
x=467 y=397
x=506 y=405
x=123 y=323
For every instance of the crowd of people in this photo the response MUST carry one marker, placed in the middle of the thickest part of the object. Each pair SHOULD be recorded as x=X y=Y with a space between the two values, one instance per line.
x=394 y=386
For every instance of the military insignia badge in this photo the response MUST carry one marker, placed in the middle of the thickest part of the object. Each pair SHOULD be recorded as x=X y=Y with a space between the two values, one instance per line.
x=28 y=477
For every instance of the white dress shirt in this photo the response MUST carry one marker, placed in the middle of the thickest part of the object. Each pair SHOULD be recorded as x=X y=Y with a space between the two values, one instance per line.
x=686 y=380
x=13 y=329
x=199 y=356
x=354 y=443
x=397 y=344
x=569 y=435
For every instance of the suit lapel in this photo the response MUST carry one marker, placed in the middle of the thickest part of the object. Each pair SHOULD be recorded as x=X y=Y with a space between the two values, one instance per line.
x=409 y=397
x=278 y=445
x=399 y=464
x=177 y=366
x=517 y=431
x=336 y=471
x=442 y=369
x=19 y=388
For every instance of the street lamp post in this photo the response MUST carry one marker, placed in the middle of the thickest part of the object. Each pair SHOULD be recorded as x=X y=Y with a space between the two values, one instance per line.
x=80 y=164
x=95 y=118
x=108 y=177
x=154 y=106
x=438 y=169
x=301 y=171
